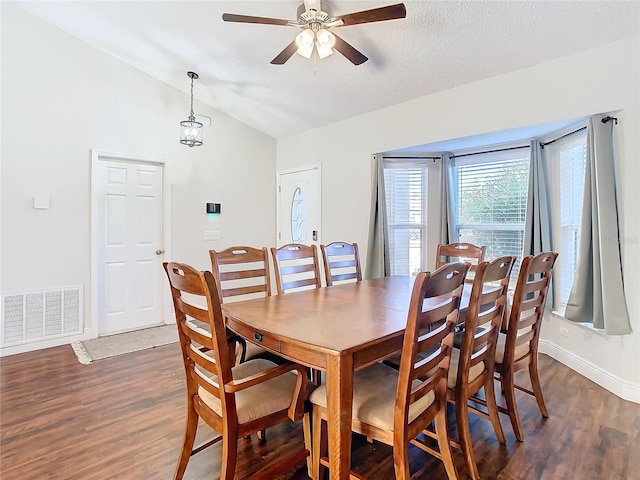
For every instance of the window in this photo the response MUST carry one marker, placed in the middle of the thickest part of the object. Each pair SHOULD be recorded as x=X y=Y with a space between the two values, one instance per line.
x=567 y=159
x=406 y=199
x=491 y=197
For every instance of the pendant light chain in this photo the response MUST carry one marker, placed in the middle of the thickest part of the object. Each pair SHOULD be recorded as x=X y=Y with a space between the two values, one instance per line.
x=192 y=116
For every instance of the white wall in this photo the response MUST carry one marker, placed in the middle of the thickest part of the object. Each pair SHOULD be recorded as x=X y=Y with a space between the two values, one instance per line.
x=598 y=80
x=60 y=98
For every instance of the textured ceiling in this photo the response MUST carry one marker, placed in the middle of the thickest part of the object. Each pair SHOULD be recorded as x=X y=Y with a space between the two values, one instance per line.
x=438 y=46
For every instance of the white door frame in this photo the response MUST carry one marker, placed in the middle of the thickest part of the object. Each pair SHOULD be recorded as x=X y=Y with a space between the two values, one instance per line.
x=99 y=156
x=315 y=166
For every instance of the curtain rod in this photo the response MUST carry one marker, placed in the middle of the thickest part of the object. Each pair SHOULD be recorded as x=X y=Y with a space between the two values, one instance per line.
x=489 y=151
x=542 y=145
x=416 y=157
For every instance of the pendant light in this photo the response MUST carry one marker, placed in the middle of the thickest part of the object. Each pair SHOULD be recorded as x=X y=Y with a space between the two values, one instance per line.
x=190 y=130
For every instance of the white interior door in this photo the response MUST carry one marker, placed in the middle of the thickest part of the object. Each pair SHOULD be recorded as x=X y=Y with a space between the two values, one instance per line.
x=128 y=260
x=299 y=207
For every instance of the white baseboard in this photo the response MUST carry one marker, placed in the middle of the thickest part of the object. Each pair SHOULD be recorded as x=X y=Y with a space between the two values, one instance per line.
x=616 y=385
x=48 y=343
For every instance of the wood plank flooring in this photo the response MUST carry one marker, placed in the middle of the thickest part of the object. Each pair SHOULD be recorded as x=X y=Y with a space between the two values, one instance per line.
x=122 y=418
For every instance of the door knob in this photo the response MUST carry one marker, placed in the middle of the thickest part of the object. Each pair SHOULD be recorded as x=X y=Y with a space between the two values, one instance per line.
x=159 y=252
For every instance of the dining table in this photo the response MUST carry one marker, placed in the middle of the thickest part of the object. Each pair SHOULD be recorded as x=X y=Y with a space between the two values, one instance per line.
x=338 y=330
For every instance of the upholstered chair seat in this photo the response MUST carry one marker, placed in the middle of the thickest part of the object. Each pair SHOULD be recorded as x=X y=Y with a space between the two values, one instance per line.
x=260 y=400
x=374 y=397
x=521 y=350
x=474 y=372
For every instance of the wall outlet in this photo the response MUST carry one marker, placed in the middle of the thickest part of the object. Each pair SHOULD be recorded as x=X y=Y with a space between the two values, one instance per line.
x=564 y=331
x=212 y=235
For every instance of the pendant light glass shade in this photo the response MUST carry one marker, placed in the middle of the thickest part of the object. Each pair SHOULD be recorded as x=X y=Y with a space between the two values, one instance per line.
x=190 y=130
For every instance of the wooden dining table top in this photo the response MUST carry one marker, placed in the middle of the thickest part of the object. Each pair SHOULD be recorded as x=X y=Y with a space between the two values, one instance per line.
x=336 y=318
x=339 y=318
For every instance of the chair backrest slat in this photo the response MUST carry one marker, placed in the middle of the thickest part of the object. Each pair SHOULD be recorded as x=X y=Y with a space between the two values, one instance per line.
x=238 y=275
x=240 y=291
x=293 y=269
x=307 y=282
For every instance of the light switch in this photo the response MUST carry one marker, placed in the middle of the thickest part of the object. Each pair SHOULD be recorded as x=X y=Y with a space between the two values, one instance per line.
x=212 y=235
x=41 y=202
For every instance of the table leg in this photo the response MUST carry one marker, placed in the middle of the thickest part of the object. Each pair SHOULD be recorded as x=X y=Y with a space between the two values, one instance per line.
x=339 y=403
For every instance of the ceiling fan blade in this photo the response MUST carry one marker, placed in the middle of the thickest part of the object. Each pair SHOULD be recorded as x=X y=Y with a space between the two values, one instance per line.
x=353 y=55
x=232 y=17
x=381 y=14
x=285 y=54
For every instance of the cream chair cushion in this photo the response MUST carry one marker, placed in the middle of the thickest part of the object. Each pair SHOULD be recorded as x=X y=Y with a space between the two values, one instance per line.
x=253 y=351
x=260 y=400
x=474 y=372
x=374 y=397
x=521 y=350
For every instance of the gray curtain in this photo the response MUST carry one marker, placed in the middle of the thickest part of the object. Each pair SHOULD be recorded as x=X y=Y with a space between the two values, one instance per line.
x=448 y=214
x=537 y=224
x=597 y=294
x=378 y=260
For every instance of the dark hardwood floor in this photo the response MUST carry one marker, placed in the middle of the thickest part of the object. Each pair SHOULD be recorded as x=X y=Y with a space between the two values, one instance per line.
x=122 y=418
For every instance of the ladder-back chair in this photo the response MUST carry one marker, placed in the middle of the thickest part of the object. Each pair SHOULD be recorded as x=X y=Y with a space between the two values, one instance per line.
x=472 y=365
x=517 y=346
x=234 y=401
x=392 y=406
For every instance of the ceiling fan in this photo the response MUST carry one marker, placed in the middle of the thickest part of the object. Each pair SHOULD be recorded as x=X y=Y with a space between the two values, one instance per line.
x=315 y=20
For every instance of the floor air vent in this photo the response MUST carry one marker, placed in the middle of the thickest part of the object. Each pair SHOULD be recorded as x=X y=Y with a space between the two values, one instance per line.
x=38 y=315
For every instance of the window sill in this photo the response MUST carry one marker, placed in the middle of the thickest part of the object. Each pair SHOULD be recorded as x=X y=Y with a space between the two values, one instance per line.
x=586 y=325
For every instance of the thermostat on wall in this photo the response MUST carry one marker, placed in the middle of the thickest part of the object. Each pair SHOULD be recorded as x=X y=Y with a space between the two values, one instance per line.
x=213 y=208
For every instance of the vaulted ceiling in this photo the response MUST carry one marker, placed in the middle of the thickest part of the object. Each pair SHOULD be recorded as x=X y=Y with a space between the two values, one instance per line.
x=439 y=45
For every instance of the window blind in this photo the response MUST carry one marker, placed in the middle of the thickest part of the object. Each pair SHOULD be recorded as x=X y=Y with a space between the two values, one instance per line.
x=406 y=195
x=492 y=203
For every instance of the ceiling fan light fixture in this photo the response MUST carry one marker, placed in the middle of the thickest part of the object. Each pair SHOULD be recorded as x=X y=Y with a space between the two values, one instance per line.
x=305 y=41
x=190 y=129
x=325 y=41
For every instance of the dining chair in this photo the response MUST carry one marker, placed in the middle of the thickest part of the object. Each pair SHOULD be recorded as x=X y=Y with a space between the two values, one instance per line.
x=472 y=365
x=341 y=262
x=460 y=252
x=234 y=401
x=296 y=267
x=242 y=273
x=517 y=346
x=394 y=407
